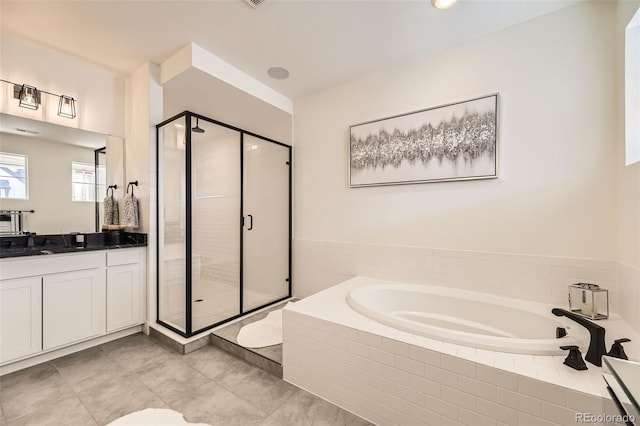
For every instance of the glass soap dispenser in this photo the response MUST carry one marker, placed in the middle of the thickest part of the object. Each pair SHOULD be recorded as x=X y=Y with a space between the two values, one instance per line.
x=589 y=300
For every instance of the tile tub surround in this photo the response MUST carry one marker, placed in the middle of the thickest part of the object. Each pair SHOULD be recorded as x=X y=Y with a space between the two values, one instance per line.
x=391 y=377
x=322 y=264
x=629 y=288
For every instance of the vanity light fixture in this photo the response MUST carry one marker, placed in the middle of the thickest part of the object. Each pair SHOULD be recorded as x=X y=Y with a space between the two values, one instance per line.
x=29 y=97
x=442 y=4
x=67 y=107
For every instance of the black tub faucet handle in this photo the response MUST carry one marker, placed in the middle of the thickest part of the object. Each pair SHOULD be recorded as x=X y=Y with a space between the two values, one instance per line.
x=574 y=359
x=617 y=351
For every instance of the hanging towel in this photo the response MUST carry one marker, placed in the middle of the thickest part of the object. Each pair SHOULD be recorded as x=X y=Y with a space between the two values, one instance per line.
x=111 y=214
x=130 y=211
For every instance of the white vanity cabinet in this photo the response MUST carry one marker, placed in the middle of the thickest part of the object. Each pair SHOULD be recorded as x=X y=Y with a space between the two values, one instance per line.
x=125 y=288
x=50 y=302
x=20 y=318
x=73 y=307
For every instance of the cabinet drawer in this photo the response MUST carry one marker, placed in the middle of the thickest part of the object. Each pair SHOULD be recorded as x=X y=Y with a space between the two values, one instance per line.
x=124 y=256
x=31 y=266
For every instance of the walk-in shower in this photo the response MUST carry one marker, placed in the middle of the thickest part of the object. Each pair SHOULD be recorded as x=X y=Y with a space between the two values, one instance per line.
x=224 y=222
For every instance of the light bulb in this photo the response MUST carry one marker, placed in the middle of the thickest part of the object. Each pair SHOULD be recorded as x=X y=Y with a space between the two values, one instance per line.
x=442 y=4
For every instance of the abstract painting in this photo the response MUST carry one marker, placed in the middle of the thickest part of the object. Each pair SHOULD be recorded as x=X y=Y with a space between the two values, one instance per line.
x=451 y=142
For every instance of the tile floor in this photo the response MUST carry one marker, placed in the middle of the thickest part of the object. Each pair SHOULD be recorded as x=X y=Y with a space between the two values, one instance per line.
x=98 y=385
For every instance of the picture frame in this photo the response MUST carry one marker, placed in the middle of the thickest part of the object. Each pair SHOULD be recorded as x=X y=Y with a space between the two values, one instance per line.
x=456 y=141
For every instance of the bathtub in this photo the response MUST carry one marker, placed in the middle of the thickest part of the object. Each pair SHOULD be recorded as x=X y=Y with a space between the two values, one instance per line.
x=468 y=318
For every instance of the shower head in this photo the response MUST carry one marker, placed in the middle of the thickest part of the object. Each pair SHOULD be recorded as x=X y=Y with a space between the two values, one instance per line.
x=197 y=129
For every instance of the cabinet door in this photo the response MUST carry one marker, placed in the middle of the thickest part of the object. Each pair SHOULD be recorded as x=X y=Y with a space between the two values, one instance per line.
x=124 y=296
x=20 y=318
x=73 y=307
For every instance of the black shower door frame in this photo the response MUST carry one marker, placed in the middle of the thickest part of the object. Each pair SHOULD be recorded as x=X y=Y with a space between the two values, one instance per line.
x=189 y=332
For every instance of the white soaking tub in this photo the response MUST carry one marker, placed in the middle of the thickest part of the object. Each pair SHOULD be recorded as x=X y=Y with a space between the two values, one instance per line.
x=468 y=318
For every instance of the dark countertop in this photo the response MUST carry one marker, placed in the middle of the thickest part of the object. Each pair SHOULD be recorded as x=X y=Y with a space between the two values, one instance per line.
x=41 y=245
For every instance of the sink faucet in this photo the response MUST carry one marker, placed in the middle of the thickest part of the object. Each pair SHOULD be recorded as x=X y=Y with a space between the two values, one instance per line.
x=596 y=343
x=30 y=240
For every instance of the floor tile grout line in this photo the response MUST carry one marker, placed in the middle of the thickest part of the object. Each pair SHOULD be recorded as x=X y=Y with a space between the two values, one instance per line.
x=64 y=379
x=249 y=402
x=228 y=390
x=74 y=391
x=123 y=367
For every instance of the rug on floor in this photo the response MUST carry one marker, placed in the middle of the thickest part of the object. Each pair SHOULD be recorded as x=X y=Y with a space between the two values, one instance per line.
x=154 y=417
x=263 y=333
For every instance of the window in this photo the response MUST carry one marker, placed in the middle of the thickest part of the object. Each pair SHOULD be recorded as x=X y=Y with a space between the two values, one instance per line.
x=83 y=182
x=13 y=176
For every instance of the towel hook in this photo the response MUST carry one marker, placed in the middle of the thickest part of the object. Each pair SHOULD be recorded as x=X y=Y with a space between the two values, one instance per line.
x=131 y=184
x=111 y=187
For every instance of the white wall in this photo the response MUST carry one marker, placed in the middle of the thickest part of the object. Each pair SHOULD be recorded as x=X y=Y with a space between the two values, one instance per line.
x=628 y=235
x=99 y=91
x=632 y=81
x=554 y=205
x=556 y=191
x=143 y=110
x=629 y=176
x=49 y=182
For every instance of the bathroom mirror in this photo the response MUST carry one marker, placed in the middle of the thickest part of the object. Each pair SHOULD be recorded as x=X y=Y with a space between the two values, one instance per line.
x=52 y=170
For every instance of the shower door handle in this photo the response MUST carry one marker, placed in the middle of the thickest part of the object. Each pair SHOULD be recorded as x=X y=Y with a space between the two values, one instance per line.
x=250 y=222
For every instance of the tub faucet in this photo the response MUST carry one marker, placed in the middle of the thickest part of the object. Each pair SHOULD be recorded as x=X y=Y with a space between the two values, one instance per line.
x=596 y=343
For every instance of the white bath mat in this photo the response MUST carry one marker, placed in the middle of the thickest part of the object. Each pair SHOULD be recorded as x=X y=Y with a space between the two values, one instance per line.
x=266 y=332
x=154 y=417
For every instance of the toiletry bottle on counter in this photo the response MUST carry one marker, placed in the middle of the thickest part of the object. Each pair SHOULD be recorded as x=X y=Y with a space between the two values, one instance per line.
x=79 y=240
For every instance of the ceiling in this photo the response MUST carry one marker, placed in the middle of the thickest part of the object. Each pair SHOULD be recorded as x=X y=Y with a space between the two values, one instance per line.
x=321 y=42
x=52 y=132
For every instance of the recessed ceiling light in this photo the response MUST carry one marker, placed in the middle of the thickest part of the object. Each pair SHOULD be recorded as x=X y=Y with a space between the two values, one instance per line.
x=442 y=4
x=278 y=73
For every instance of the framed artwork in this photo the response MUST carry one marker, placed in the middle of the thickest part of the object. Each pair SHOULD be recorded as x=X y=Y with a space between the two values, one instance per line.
x=449 y=142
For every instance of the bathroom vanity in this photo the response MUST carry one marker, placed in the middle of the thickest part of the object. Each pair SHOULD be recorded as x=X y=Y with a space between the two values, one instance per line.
x=56 y=300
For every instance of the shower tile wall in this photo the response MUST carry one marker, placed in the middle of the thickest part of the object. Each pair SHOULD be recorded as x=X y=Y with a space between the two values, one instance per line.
x=321 y=264
x=216 y=239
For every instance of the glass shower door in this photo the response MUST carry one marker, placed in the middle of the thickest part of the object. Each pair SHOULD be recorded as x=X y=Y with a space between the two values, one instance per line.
x=266 y=233
x=172 y=240
x=215 y=220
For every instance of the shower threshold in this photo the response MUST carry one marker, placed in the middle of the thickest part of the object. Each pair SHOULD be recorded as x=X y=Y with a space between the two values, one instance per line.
x=268 y=358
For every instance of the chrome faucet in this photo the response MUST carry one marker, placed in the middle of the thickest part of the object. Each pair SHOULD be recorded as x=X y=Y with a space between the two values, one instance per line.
x=596 y=343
